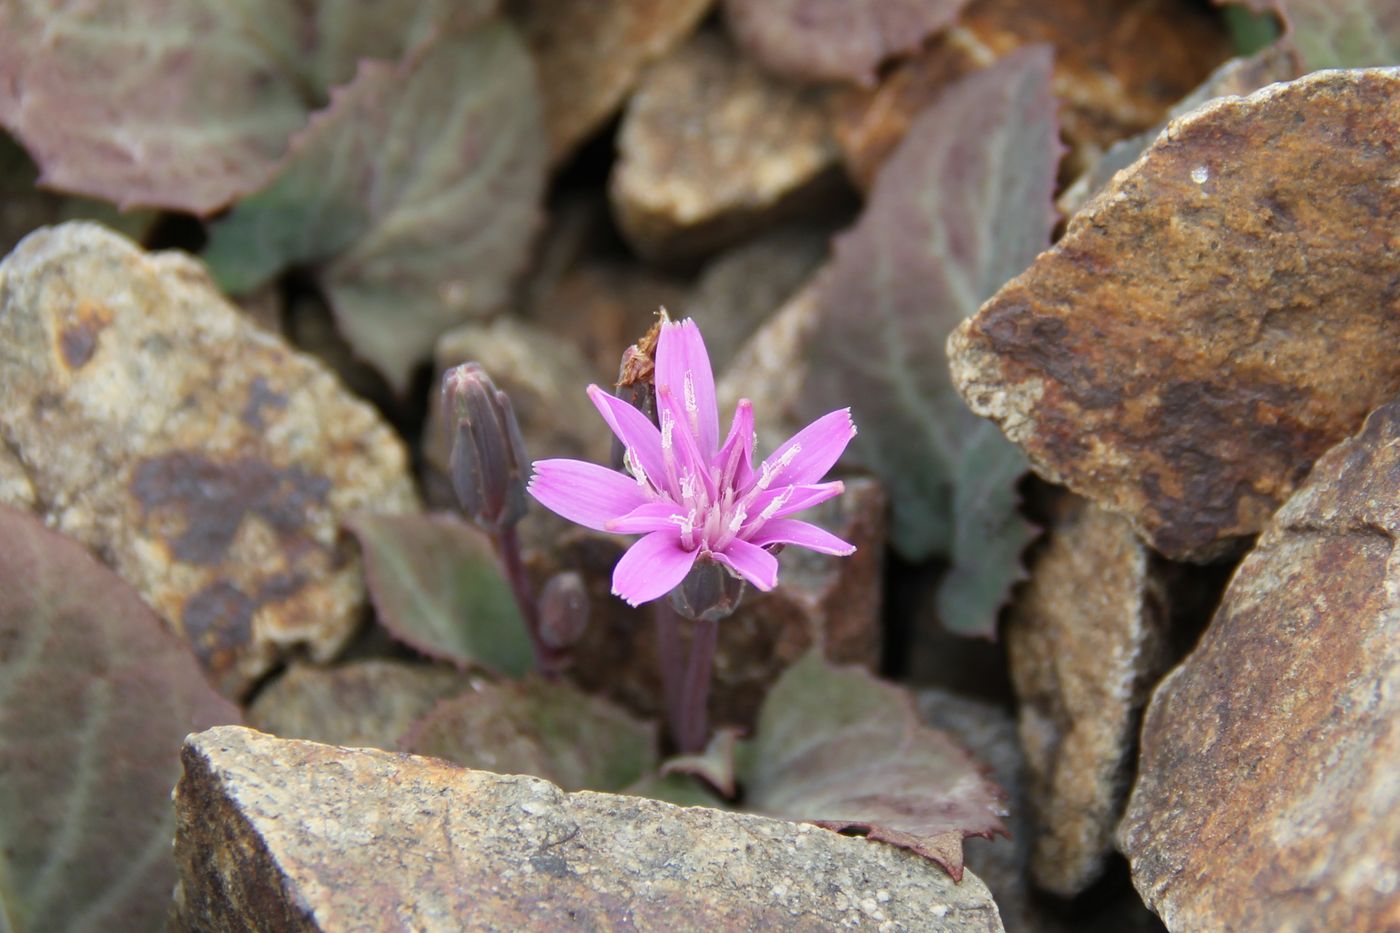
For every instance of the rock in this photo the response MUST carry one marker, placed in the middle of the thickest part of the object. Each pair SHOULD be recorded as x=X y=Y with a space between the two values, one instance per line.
x=589 y=55
x=367 y=703
x=1267 y=796
x=285 y=835
x=546 y=379
x=1214 y=320
x=198 y=455
x=1085 y=639
x=712 y=148
x=1119 y=64
x=819 y=599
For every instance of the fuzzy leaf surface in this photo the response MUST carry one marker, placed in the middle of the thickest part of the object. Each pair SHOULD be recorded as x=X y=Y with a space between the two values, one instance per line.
x=437 y=587
x=96 y=696
x=839 y=748
x=550 y=729
x=1340 y=33
x=834 y=40
x=414 y=197
x=962 y=205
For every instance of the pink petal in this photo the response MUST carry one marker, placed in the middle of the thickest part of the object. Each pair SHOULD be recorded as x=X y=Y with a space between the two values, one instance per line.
x=798 y=498
x=802 y=534
x=636 y=432
x=819 y=446
x=683 y=445
x=751 y=562
x=652 y=567
x=585 y=493
x=738 y=446
x=654 y=516
x=680 y=350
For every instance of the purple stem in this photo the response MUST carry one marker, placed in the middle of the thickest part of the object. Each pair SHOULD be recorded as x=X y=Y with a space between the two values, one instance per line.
x=547 y=661
x=695 y=692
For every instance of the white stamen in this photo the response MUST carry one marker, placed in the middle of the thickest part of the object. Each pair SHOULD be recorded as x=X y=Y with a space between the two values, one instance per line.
x=668 y=425
x=778 y=502
x=690 y=403
x=769 y=470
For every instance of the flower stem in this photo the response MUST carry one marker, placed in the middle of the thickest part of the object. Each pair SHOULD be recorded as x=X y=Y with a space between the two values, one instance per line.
x=547 y=661
x=695 y=692
x=668 y=659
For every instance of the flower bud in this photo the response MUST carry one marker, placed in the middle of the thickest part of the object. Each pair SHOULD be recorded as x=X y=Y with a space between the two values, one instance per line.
x=488 y=459
x=708 y=592
x=563 y=611
x=636 y=386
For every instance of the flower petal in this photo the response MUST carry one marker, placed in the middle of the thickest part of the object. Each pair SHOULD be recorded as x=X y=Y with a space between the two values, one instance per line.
x=809 y=453
x=654 y=516
x=751 y=562
x=794 y=498
x=802 y=534
x=652 y=567
x=636 y=432
x=738 y=447
x=585 y=493
x=683 y=365
x=689 y=460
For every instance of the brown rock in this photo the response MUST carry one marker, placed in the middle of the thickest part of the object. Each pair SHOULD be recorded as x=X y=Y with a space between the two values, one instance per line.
x=199 y=456
x=819 y=599
x=1086 y=638
x=1267 y=796
x=281 y=835
x=367 y=703
x=713 y=148
x=589 y=55
x=1214 y=320
x=1119 y=64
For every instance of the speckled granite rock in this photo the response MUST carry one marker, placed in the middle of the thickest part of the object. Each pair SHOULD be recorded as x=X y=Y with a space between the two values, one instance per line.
x=1214 y=320
x=280 y=835
x=1267 y=795
x=197 y=454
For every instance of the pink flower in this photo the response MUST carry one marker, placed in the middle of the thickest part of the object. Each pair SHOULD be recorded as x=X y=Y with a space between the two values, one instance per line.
x=693 y=498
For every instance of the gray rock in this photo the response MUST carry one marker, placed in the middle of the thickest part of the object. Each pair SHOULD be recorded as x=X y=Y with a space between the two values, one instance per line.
x=1267 y=794
x=196 y=453
x=286 y=835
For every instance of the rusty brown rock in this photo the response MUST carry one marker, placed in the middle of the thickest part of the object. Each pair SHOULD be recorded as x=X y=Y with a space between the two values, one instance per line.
x=1086 y=638
x=1215 y=319
x=589 y=55
x=196 y=453
x=834 y=602
x=712 y=148
x=1119 y=64
x=279 y=835
x=367 y=704
x=1267 y=796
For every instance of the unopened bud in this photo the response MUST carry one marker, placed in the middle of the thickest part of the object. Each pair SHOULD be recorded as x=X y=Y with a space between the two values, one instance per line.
x=488 y=460
x=708 y=592
x=563 y=611
x=636 y=385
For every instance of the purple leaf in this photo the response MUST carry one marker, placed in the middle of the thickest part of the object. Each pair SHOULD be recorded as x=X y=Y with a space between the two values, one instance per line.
x=546 y=728
x=839 y=748
x=95 y=699
x=963 y=205
x=437 y=587
x=821 y=40
x=415 y=195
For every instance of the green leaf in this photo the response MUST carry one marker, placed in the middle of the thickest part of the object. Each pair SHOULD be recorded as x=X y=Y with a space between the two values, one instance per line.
x=95 y=699
x=550 y=729
x=150 y=103
x=1340 y=33
x=715 y=765
x=989 y=534
x=437 y=587
x=962 y=205
x=826 y=40
x=414 y=195
x=837 y=747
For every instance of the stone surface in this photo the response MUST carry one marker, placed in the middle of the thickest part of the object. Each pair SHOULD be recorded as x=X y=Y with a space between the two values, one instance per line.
x=1267 y=796
x=819 y=599
x=282 y=835
x=199 y=456
x=1085 y=639
x=589 y=55
x=712 y=148
x=368 y=703
x=1215 y=319
x=1119 y=64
